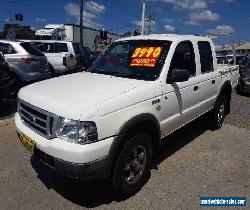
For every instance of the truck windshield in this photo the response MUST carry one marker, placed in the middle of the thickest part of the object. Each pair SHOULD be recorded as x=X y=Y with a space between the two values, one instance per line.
x=136 y=59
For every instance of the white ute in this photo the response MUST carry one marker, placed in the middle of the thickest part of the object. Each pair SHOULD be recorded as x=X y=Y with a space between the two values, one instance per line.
x=108 y=122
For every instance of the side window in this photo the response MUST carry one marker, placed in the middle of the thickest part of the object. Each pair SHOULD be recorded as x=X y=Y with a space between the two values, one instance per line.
x=184 y=58
x=61 y=47
x=46 y=47
x=7 y=48
x=206 y=57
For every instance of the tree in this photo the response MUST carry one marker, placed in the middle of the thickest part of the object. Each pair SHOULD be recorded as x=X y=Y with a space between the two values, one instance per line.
x=24 y=32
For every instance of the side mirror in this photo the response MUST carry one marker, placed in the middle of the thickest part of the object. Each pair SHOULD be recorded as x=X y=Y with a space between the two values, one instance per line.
x=178 y=75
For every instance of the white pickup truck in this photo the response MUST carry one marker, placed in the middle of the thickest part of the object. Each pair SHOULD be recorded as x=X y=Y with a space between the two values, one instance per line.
x=107 y=123
x=63 y=56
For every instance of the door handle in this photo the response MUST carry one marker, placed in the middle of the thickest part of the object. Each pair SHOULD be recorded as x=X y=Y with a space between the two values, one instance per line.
x=196 y=88
x=213 y=82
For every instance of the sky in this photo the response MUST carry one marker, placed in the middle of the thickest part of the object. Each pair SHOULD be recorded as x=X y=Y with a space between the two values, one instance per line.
x=226 y=20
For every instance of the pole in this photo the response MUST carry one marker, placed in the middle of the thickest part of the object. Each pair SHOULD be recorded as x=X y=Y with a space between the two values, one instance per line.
x=233 y=49
x=143 y=17
x=81 y=23
x=149 y=20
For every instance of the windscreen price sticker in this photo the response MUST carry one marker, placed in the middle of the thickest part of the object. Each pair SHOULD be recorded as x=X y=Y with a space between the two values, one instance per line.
x=145 y=56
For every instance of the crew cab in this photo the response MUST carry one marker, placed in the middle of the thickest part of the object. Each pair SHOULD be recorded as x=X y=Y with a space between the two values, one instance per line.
x=109 y=122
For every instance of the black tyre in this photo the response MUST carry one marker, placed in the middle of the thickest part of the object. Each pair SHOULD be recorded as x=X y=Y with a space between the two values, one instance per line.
x=52 y=71
x=217 y=115
x=239 y=88
x=16 y=86
x=132 y=167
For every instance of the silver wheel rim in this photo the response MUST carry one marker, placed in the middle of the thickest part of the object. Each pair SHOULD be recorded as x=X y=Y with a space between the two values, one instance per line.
x=221 y=112
x=135 y=165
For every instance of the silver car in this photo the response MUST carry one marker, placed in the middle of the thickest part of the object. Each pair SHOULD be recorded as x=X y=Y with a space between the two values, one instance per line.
x=26 y=62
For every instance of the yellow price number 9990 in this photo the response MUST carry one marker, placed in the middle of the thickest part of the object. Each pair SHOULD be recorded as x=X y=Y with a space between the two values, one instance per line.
x=147 y=52
x=136 y=52
x=157 y=52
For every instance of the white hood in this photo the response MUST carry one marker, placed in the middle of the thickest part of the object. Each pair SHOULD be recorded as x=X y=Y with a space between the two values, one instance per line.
x=72 y=95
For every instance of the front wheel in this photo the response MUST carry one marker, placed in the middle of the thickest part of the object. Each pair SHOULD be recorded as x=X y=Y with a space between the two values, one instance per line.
x=218 y=114
x=133 y=164
x=52 y=71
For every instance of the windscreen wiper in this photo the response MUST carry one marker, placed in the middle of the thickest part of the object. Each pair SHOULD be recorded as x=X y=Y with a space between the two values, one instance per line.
x=141 y=76
x=111 y=73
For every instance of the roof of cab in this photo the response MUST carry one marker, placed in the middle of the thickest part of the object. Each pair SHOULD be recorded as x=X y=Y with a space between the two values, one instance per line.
x=170 y=37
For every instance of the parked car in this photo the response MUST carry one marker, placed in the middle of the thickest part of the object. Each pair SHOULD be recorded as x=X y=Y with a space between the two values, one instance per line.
x=221 y=59
x=244 y=81
x=90 y=56
x=63 y=56
x=241 y=60
x=108 y=122
x=26 y=63
x=6 y=81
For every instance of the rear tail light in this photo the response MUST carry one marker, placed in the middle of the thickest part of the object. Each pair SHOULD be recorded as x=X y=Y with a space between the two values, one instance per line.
x=64 y=61
x=27 y=60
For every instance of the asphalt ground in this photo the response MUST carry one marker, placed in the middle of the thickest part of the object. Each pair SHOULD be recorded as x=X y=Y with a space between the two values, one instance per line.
x=193 y=162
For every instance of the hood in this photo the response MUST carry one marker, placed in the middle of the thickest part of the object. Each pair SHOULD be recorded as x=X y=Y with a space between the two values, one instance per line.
x=71 y=95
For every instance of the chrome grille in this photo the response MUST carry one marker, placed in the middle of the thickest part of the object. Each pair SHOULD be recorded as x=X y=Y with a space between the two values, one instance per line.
x=39 y=120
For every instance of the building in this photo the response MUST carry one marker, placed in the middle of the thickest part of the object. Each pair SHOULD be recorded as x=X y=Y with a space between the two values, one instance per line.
x=241 y=49
x=95 y=39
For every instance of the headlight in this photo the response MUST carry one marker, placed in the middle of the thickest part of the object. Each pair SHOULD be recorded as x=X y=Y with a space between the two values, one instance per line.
x=76 y=131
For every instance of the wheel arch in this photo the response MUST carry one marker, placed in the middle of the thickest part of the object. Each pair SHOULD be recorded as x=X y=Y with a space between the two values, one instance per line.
x=226 y=91
x=147 y=122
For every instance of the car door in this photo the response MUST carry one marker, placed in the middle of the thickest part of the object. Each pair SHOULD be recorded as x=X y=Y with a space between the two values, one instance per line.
x=181 y=99
x=208 y=77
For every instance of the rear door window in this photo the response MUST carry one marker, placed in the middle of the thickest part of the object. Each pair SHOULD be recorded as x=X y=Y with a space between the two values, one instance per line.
x=6 y=48
x=61 y=47
x=51 y=47
x=31 y=49
x=45 y=47
x=206 y=57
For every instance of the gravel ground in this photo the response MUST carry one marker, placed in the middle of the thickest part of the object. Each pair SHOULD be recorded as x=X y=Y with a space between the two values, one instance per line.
x=193 y=162
x=240 y=111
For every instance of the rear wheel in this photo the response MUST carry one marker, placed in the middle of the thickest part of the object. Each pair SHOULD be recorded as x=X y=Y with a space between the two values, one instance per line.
x=52 y=71
x=133 y=164
x=218 y=113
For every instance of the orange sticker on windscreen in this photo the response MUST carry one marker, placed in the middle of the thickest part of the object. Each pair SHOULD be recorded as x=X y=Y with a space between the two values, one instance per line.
x=145 y=56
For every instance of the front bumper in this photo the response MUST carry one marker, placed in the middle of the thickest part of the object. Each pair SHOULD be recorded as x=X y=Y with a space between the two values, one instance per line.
x=70 y=159
x=75 y=170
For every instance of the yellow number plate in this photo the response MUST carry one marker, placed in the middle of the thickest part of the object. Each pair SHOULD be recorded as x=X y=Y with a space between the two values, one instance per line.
x=27 y=142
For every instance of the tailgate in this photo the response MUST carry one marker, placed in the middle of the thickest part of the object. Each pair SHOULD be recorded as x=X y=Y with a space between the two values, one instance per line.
x=70 y=60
